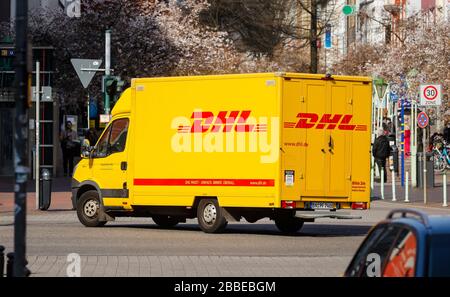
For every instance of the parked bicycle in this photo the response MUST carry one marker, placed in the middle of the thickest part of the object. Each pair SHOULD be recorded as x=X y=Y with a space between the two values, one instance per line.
x=441 y=158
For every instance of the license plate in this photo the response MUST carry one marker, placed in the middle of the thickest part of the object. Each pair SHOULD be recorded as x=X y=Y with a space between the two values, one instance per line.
x=322 y=205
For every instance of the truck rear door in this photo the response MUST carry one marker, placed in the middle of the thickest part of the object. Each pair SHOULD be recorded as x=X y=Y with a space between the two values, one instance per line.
x=317 y=139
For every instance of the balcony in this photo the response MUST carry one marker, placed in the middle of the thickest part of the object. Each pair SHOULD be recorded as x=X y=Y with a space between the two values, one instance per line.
x=393 y=6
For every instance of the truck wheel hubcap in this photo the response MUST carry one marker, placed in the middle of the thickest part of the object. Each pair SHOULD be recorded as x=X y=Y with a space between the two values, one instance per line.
x=210 y=213
x=91 y=208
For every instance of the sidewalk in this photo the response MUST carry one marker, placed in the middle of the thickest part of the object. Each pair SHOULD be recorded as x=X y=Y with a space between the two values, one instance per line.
x=61 y=195
x=416 y=195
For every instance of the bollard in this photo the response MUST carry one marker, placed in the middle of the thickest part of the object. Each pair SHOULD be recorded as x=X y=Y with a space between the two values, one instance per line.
x=407 y=187
x=2 y=260
x=382 y=183
x=394 y=198
x=9 y=264
x=372 y=172
x=444 y=186
x=424 y=177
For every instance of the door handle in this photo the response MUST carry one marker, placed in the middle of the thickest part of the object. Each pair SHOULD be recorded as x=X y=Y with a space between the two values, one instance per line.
x=123 y=166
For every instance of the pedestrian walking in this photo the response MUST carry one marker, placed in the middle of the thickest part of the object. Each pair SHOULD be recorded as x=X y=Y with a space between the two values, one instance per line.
x=381 y=151
x=68 y=140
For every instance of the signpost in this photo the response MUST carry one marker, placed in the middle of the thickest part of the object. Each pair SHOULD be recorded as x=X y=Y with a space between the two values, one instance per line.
x=104 y=120
x=423 y=121
x=430 y=95
x=22 y=102
x=86 y=69
x=37 y=130
x=328 y=43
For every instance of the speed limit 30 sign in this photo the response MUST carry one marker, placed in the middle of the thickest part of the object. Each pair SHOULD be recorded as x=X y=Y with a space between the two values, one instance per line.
x=430 y=95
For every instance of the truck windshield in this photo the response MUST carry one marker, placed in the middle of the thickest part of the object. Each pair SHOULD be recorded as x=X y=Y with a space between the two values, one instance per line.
x=439 y=255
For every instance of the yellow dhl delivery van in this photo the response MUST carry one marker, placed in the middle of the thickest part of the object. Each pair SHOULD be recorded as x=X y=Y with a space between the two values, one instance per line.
x=287 y=146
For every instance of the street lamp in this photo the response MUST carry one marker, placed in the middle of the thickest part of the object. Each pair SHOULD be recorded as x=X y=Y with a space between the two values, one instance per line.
x=381 y=87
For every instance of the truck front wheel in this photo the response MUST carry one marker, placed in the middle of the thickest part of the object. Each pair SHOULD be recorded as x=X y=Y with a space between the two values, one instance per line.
x=165 y=221
x=288 y=224
x=89 y=208
x=210 y=216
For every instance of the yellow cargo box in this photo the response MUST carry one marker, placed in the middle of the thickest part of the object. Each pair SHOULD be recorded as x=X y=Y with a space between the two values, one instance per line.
x=224 y=147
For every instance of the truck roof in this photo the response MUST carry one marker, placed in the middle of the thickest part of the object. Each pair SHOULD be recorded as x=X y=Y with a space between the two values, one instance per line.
x=255 y=75
x=124 y=104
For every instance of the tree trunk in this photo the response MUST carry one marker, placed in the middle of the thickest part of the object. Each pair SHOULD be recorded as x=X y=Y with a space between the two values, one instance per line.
x=313 y=38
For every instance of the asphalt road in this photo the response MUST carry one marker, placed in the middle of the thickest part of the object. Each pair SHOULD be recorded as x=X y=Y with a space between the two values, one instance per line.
x=137 y=247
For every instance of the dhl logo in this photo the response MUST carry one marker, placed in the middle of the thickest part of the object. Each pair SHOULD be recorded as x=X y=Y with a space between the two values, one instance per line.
x=224 y=121
x=327 y=121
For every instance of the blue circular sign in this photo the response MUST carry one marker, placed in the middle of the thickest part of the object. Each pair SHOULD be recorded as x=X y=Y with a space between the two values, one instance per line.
x=422 y=120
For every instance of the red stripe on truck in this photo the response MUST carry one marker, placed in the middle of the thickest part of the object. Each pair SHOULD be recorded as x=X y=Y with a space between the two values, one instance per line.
x=204 y=182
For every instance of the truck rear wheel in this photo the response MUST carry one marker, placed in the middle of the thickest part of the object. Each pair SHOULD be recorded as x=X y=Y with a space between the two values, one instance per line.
x=210 y=216
x=288 y=224
x=89 y=208
x=165 y=221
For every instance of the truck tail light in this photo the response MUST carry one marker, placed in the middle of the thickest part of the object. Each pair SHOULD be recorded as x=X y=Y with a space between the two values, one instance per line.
x=359 y=205
x=287 y=204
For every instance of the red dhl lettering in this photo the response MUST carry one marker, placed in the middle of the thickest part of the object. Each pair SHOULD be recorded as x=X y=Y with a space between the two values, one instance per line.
x=225 y=121
x=327 y=121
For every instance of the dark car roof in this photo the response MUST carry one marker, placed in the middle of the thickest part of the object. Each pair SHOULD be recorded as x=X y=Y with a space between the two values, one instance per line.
x=439 y=224
x=435 y=225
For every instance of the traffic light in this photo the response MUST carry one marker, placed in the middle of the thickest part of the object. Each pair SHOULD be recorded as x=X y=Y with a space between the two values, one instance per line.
x=113 y=87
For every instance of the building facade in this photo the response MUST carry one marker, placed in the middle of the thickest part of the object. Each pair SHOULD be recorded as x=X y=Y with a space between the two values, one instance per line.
x=49 y=109
x=377 y=21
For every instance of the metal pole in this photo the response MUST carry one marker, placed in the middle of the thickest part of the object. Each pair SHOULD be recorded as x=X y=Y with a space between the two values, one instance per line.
x=394 y=198
x=396 y=122
x=21 y=136
x=444 y=186
x=382 y=183
x=107 y=66
x=402 y=143
x=88 y=117
x=372 y=172
x=37 y=127
x=407 y=187
x=424 y=162
x=414 y=146
x=108 y=52
x=372 y=163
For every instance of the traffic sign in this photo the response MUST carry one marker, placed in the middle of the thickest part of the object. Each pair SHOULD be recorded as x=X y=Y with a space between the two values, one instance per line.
x=328 y=43
x=86 y=76
x=422 y=120
x=394 y=96
x=430 y=95
x=46 y=95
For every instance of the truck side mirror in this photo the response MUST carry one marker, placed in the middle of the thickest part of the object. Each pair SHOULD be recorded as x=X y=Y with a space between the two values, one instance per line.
x=86 y=149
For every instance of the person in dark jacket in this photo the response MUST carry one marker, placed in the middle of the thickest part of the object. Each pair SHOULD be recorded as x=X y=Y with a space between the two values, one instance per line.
x=381 y=150
x=447 y=133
